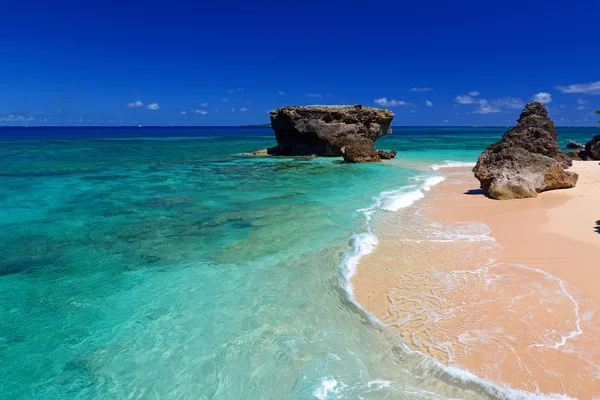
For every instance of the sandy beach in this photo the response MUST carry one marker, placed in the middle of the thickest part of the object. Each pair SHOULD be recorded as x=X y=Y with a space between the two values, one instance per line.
x=505 y=289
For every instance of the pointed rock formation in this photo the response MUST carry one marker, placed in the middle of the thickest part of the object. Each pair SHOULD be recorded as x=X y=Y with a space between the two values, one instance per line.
x=330 y=131
x=527 y=160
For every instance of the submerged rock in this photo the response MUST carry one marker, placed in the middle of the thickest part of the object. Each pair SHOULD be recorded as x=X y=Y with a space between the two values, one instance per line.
x=527 y=160
x=329 y=131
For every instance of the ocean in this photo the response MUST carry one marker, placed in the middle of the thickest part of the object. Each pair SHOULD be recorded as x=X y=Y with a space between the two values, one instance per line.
x=164 y=263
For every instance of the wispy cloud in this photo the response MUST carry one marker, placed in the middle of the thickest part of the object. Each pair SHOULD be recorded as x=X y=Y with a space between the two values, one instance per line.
x=486 y=108
x=543 y=97
x=233 y=110
x=580 y=108
x=235 y=90
x=224 y=99
x=390 y=103
x=563 y=106
x=465 y=99
x=244 y=109
x=15 y=118
x=204 y=105
x=183 y=113
x=584 y=88
x=153 y=106
x=581 y=101
x=198 y=111
x=429 y=103
x=281 y=93
x=445 y=121
x=137 y=103
x=315 y=95
x=509 y=102
x=420 y=89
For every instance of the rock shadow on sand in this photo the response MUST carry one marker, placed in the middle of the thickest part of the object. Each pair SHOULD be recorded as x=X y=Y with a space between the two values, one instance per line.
x=477 y=192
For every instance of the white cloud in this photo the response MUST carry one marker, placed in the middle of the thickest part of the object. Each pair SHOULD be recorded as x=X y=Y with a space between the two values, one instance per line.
x=585 y=88
x=244 y=109
x=509 y=102
x=281 y=93
x=204 y=105
x=429 y=104
x=153 y=106
x=15 y=118
x=413 y=111
x=580 y=108
x=235 y=90
x=183 y=113
x=198 y=111
x=464 y=99
x=486 y=108
x=390 y=103
x=543 y=97
x=136 y=103
x=316 y=95
x=420 y=89
x=581 y=101
x=233 y=110
x=563 y=106
x=446 y=121
x=474 y=93
x=224 y=100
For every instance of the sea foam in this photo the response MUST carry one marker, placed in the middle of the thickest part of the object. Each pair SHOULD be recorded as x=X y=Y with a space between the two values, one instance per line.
x=364 y=243
x=452 y=164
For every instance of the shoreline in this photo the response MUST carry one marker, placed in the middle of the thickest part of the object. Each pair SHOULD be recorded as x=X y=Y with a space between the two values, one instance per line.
x=503 y=289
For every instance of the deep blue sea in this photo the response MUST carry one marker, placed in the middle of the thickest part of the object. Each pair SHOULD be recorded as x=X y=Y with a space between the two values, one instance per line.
x=163 y=263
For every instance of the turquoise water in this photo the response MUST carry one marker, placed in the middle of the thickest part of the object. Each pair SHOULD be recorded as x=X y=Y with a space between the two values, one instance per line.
x=162 y=263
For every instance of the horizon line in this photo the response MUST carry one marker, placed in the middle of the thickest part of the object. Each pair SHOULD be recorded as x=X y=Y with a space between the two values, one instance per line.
x=260 y=126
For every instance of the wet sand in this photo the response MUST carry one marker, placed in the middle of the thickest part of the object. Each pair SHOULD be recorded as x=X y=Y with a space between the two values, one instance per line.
x=505 y=289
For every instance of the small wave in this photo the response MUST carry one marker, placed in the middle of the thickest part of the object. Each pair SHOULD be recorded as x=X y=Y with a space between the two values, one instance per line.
x=496 y=390
x=452 y=164
x=577 y=331
x=434 y=180
x=364 y=243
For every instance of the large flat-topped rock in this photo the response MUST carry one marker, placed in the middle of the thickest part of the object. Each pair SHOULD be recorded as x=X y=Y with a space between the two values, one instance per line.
x=329 y=130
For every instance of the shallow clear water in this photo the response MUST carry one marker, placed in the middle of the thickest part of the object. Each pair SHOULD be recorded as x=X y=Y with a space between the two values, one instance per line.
x=161 y=263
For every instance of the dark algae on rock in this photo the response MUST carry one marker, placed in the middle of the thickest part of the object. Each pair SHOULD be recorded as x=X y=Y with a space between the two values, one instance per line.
x=527 y=160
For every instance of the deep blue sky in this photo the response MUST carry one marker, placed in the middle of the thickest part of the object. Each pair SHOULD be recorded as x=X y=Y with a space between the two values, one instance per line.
x=228 y=62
